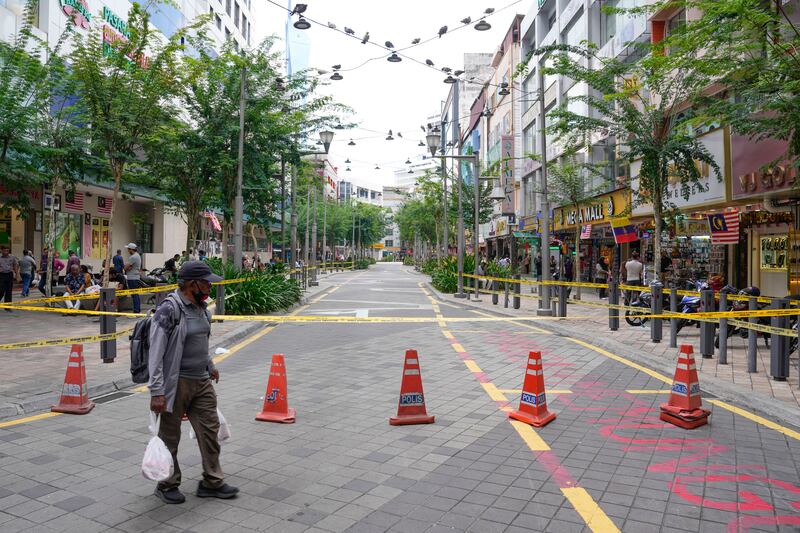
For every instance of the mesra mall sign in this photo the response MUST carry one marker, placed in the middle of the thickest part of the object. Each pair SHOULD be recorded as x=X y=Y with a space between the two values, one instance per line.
x=759 y=169
x=600 y=209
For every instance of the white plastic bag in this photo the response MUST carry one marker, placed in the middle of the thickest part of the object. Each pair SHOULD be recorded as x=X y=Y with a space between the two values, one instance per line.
x=157 y=462
x=224 y=432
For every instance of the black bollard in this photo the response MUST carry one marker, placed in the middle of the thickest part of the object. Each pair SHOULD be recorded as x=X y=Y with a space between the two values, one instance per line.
x=656 y=308
x=517 y=288
x=562 y=300
x=495 y=297
x=108 y=324
x=707 y=328
x=723 y=330
x=673 y=322
x=219 y=303
x=752 y=337
x=613 y=312
x=779 y=346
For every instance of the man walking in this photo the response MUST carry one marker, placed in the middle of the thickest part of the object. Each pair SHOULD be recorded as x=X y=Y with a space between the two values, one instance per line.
x=57 y=265
x=9 y=271
x=27 y=266
x=633 y=274
x=73 y=259
x=133 y=271
x=181 y=371
x=119 y=262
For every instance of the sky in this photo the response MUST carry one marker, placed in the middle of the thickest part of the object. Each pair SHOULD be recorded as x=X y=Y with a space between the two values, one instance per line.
x=384 y=95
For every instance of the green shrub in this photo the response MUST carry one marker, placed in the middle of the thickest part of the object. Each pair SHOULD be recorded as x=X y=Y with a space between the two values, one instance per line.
x=429 y=266
x=408 y=261
x=261 y=292
x=363 y=264
x=444 y=277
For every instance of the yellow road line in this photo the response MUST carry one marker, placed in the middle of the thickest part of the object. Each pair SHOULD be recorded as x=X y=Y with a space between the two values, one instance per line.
x=472 y=365
x=548 y=391
x=448 y=334
x=532 y=439
x=640 y=368
x=648 y=391
x=242 y=344
x=591 y=513
x=458 y=348
x=27 y=419
x=493 y=392
x=757 y=419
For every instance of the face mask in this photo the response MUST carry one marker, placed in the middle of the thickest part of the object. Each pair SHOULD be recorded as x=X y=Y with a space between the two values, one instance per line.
x=199 y=297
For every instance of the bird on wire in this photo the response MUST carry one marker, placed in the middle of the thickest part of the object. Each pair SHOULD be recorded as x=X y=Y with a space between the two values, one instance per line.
x=336 y=67
x=349 y=31
x=416 y=41
x=442 y=31
x=331 y=25
x=447 y=70
x=299 y=9
x=399 y=134
x=365 y=39
x=388 y=44
x=423 y=129
x=466 y=20
x=429 y=62
x=489 y=10
x=458 y=73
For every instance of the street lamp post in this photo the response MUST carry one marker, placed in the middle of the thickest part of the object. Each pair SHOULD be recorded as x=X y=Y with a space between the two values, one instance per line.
x=326 y=137
x=238 y=206
x=544 y=292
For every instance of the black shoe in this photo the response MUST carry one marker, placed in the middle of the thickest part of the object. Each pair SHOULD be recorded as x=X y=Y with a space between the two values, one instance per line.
x=170 y=495
x=224 y=492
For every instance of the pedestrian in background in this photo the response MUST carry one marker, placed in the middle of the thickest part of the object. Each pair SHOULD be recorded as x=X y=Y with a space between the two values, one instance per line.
x=601 y=275
x=72 y=259
x=181 y=371
x=633 y=274
x=133 y=273
x=201 y=255
x=74 y=284
x=9 y=271
x=57 y=266
x=119 y=262
x=27 y=267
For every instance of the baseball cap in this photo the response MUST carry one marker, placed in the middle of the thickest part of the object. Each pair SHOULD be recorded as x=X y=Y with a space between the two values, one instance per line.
x=197 y=270
x=131 y=246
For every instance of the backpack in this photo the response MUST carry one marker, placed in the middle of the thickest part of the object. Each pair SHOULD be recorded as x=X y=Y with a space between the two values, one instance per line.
x=140 y=345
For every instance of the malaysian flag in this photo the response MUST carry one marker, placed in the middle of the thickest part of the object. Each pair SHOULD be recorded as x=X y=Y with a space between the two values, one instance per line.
x=724 y=227
x=104 y=205
x=586 y=231
x=73 y=201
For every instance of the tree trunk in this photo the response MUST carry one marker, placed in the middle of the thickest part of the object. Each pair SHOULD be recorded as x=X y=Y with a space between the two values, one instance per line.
x=117 y=168
x=51 y=237
x=293 y=222
x=255 y=241
x=657 y=245
x=191 y=227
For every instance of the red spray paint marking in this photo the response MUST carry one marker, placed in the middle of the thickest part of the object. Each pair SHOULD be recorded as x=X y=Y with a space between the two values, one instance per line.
x=559 y=473
x=743 y=523
x=751 y=501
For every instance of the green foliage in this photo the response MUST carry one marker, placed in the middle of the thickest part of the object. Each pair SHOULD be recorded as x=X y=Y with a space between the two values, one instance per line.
x=363 y=263
x=429 y=266
x=444 y=276
x=408 y=260
x=262 y=292
x=495 y=270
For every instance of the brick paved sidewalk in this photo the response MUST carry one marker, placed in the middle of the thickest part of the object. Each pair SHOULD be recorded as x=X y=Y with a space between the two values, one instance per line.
x=636 y=340
x=32 y=378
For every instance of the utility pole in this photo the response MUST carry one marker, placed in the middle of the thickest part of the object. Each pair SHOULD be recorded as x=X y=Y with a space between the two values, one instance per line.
x=444 y=183
x=324 y=223
x=544 y=290
x=308 y=212
x=293 y=230
x=283 y=209
x=313 y=263
x=460 y=227
x=238 y=208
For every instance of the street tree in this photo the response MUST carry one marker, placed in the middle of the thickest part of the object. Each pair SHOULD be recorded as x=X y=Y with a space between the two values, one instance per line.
x=570 y=182
x=635 y=106
x=126 y=89
x=751 y=52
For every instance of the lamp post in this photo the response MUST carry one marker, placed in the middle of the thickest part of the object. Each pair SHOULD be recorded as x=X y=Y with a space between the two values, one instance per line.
x=433 y=140
x=544 y=296
x=326 y=137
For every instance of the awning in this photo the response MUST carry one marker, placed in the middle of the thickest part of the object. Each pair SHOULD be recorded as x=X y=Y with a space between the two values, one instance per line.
x=524 y=235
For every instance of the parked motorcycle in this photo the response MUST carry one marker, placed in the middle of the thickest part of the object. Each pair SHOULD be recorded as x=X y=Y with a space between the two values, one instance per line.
x=743 y=305
x=644 y=300
x=689 y=305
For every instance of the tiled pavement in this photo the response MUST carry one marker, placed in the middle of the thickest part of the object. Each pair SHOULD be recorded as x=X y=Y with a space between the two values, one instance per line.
x=637 y=340
x=32 y=378
x=341 y=467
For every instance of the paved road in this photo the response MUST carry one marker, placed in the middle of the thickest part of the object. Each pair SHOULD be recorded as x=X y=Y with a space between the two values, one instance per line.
x=605 y=464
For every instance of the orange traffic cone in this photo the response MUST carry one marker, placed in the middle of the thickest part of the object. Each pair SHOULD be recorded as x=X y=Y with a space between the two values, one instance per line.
x=74 y=395
x=411 y=407
x=276 y=403
x=685 y=408
x=533 y=403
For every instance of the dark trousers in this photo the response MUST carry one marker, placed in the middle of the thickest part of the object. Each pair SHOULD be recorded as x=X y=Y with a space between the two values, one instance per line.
x=196 y=398
x=26 y=283
x=603 y=290
x=137 y=302
x=6 y=284
x=632 y=295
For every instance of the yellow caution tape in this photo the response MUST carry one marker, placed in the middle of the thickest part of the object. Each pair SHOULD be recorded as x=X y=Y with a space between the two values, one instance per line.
x=61 y=342
x=763 y=328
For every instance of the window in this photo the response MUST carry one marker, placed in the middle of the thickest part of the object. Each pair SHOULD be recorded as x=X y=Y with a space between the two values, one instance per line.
x=676 y=22
x=144 y=238
x=529 y=91
x=244 y=26
x=608 y=22
x=248 y=33
x=227 y=33
x=389 y=243
x=236 y=15
x=211 y=9
x=228 y=7
x=218 y=20
x=551 y=20
x=529 y=139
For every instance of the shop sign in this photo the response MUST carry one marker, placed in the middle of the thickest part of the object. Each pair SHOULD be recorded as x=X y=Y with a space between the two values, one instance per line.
x=774 y=252
x=507 y=177
x=529 y=223
x=115 y=30
x=687 y=227
x=78 y=10
x=598 y=210
x=709 y=190
x=498 y=227
x=757 y=218
x=754 y=171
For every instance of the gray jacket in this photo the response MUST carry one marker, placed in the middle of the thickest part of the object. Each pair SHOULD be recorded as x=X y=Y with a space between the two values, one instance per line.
x=167 y=336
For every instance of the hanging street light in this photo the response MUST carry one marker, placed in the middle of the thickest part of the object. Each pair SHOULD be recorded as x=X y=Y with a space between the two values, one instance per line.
x=336 y=76
x=327 y=138
x=450 y=79
x=302 y=24
x=351 y=143
x=433 y=140
x=347 y=169
x=421 y=144
x=389 y=137
x=408 y=161
x=377 y=167
x=394 y=58
x=482 y=25
x=504 y=89
x=347 y=161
